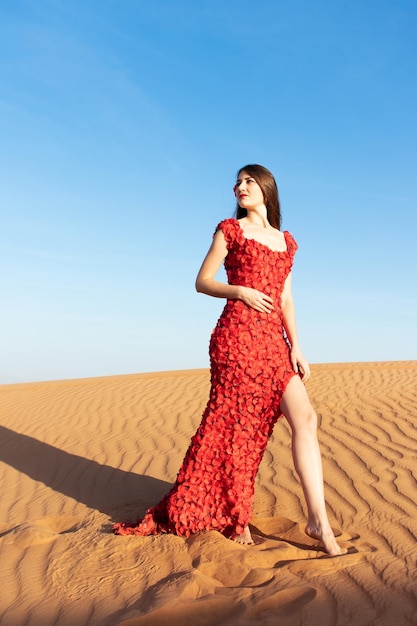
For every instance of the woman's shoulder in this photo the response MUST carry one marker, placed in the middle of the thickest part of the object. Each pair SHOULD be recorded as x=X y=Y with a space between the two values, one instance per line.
x=227 y=224
x=230 y=229
x=292 y=245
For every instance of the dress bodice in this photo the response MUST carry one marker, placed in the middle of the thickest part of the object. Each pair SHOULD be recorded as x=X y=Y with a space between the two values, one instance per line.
x=250 y=263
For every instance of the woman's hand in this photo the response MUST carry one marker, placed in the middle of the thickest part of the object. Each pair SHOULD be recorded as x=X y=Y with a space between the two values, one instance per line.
x=299 y=364
x=256 y=299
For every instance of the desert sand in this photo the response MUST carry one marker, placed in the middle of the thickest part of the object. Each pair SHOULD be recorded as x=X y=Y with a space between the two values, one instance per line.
x=77 y=455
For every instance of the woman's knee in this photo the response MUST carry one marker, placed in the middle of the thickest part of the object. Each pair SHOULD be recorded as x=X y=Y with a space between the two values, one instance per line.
x=305 y=422
x=310 y=419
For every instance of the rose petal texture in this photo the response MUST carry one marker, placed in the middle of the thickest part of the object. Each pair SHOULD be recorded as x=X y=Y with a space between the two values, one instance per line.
x=250 y=369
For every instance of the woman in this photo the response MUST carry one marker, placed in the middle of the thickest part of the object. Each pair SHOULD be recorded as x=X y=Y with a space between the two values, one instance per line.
x=257 y=375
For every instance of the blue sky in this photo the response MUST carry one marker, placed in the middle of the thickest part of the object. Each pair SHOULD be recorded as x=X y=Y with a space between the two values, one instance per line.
x=122 y=125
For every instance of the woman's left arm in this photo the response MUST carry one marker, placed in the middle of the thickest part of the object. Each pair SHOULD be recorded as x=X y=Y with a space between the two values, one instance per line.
x=298 y=361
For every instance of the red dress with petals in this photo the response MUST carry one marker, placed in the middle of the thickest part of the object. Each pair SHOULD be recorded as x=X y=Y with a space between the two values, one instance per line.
x=250 y=369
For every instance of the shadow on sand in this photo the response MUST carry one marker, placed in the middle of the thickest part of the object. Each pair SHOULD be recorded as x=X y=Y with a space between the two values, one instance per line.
x=99 y=487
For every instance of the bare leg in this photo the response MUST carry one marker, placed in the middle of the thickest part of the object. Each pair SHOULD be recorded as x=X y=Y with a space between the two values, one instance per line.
x=302 y=418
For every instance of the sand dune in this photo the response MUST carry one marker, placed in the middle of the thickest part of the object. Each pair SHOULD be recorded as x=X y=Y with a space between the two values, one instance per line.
x=76 y=455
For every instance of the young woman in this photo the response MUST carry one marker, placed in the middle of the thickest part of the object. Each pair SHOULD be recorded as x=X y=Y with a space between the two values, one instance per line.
x=257 y=375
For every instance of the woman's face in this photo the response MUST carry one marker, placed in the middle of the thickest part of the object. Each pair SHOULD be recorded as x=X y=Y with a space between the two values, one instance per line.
x=247 y=191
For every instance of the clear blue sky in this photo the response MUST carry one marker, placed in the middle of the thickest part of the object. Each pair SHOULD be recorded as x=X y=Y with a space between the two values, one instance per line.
x=122 y=125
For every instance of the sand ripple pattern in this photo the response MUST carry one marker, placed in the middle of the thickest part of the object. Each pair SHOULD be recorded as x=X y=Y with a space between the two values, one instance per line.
x=76 y=455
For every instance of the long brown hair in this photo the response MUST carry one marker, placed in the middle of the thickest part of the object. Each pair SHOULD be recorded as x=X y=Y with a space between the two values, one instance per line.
x=266 y=182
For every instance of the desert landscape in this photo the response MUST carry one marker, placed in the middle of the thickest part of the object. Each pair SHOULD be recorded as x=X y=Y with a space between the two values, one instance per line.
x=77 y=455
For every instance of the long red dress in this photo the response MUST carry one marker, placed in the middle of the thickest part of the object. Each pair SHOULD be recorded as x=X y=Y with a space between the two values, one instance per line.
x=250 y=369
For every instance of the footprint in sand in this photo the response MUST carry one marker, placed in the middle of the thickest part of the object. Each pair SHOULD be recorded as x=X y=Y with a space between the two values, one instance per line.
x=41 y=531
x=209 y=611
x=282 y=603
x=227 y=562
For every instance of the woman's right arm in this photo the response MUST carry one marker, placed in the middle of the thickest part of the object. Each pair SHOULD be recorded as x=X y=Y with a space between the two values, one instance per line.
x=206 y=283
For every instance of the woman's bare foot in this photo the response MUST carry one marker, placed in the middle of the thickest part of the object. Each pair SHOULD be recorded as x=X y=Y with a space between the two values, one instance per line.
x=245 y=538
x=326 y=538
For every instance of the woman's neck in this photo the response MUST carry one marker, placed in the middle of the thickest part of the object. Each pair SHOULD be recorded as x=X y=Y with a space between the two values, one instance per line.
x=258 y=217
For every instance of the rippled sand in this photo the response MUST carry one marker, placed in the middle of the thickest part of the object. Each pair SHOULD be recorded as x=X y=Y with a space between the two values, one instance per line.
x=76 y=455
